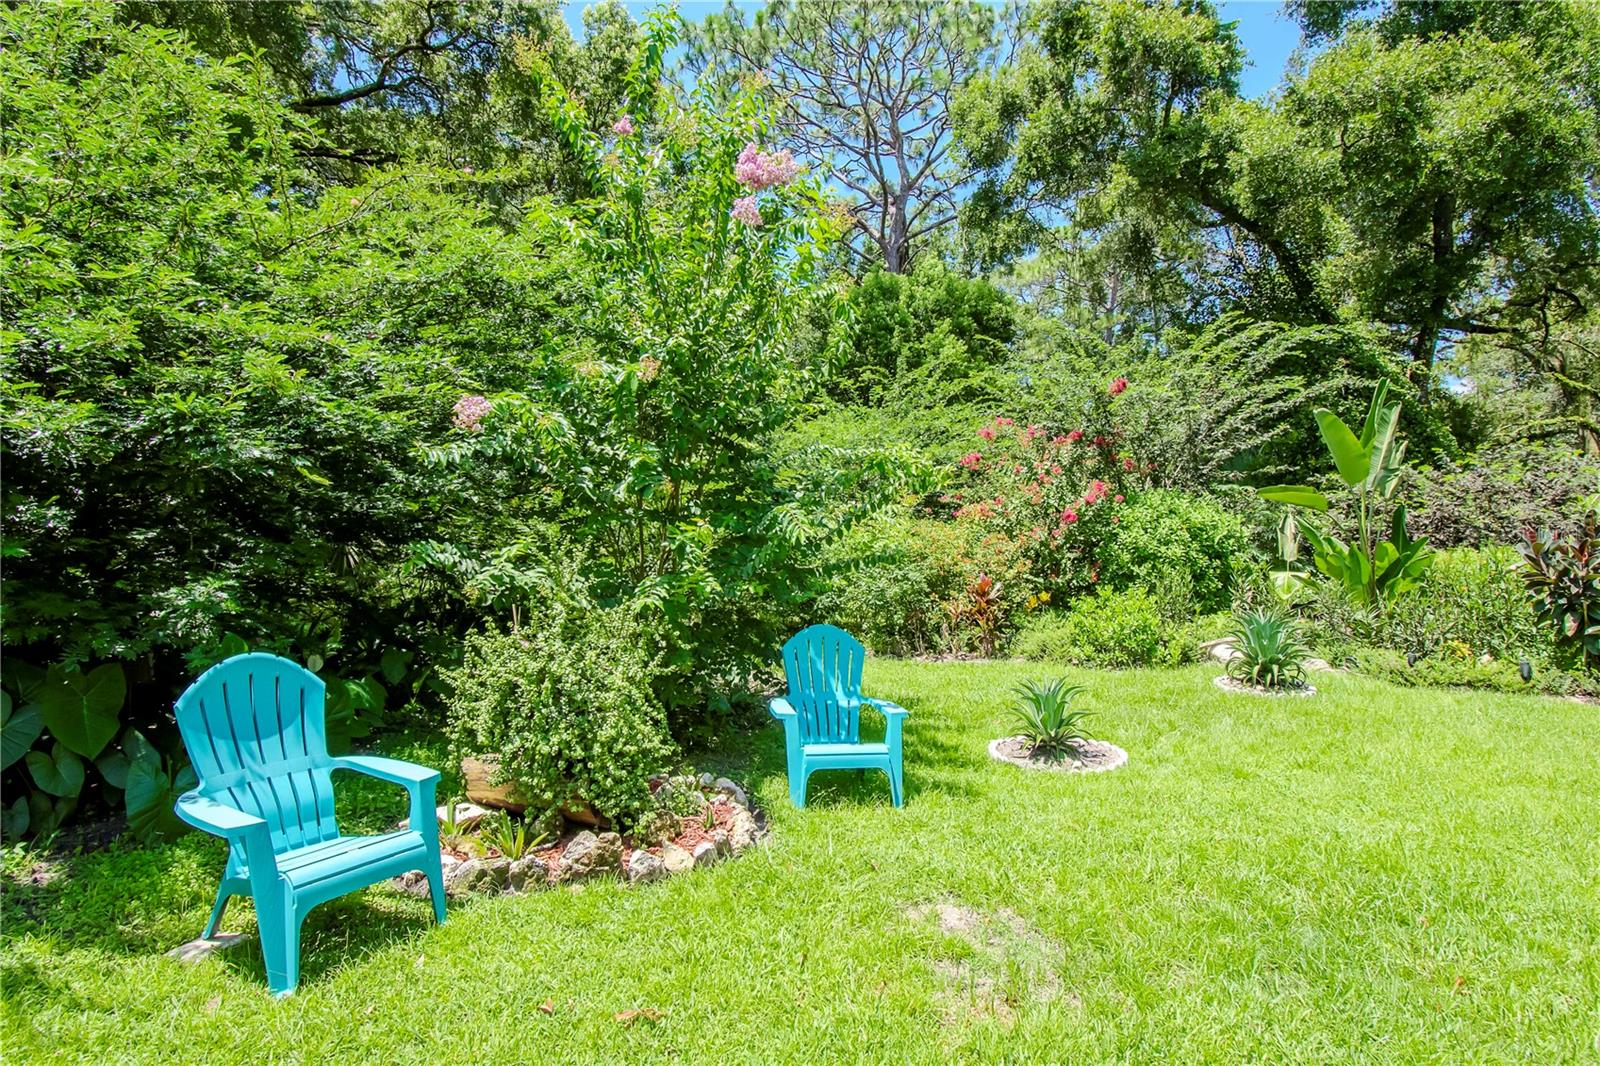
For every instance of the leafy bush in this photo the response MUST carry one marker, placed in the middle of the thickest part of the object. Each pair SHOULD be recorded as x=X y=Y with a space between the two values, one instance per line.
x=1563 y=577
x=929 y=323
x=1114 y=628
x=1471 y=602
x=566 y=705
x=1498 y=492
x=1270 y=651
x=1056 y=491
x=1470 y=599
x=1044 y=716
x=905 y=586
x=1449 y=667
x=1164 y=535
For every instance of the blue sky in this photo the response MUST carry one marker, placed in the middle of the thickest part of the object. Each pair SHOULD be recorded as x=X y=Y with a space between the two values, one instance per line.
x=1269 y=36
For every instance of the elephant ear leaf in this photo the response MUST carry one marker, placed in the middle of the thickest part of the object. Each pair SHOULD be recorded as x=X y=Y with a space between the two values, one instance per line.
x=151 y=795
x=19 y=728
x=14 y=819
x=80 y=710
x=58 y=771
x=1354 y=461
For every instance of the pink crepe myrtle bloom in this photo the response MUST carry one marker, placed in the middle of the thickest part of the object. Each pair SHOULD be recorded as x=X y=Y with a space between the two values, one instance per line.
x=971 y=460
x=1033 y=431
x=623 y=127
x=757 y=170
x=1058 y=439
x=470 y=411
x=1001 y=420
x=1055 y=468
x=1118 y=498
x=987 y=433
x=1118 y=387
x=746 y=211
x=1068 y=516
x=1075 y=436
x=1129 y=465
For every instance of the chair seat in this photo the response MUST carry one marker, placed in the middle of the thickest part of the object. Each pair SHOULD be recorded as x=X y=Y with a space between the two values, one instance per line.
x=305 y=867
x=825 y=750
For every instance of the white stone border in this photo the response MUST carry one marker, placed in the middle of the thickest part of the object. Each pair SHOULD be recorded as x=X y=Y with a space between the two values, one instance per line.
x=1118 y=759
x=1228 y=684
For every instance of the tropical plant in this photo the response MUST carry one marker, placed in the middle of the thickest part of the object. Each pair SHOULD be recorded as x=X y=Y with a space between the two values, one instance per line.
x=1270 y=652
x=1563 y=576
x=1371 y=465
x=511 y=837
x=1044 y=716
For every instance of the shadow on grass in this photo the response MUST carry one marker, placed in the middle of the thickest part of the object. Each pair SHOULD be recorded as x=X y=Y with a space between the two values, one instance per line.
x=343 y=931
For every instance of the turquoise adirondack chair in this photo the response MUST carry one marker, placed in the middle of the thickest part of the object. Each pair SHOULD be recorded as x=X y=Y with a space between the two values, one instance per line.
x=254 y=728
x=821 y=715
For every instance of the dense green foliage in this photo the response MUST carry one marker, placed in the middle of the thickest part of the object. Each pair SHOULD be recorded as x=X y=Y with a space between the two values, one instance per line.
x=1168 y=539
x=348 y=330
x=566 y=706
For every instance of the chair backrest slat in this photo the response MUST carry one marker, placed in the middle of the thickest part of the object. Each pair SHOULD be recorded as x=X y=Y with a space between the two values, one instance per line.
x=255 y=729
x=823 y=664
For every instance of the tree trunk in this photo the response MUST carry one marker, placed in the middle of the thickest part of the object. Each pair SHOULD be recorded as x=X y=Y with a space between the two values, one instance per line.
x=1444 y=245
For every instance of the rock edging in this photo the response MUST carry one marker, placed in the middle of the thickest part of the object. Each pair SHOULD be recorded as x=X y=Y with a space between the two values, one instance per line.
x=1228 y=684
x=1086 y=757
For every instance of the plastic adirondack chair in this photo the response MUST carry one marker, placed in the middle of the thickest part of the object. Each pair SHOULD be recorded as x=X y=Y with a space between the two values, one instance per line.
x=254 y=728
x=821 y=715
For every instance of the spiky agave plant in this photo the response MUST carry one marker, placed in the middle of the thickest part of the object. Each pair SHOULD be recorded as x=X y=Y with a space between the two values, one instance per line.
x=1045 y=718
x=1271 y=653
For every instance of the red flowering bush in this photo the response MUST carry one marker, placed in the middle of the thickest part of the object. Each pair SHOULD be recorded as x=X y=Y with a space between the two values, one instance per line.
x=1054 y=492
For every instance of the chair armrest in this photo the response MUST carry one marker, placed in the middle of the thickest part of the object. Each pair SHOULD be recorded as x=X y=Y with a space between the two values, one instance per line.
x=884 y=707
x=249 y=832
x=419 y=782
x=894 y=720
x=396 y=771
x=215 y=818
x=780 y=708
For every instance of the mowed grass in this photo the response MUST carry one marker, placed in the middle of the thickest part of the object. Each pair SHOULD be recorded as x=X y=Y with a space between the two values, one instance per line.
x=1371 y=875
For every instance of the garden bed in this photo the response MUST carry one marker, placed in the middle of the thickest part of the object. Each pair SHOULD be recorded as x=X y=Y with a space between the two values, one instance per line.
x=1079 y=757
x=722 y=825
x=1229 y=684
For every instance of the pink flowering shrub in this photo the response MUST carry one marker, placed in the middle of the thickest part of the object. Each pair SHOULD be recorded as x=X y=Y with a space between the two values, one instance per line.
x=470 y=411
x=757 y=170
x=746 y=211
x=1056 y=495
x=623 y=127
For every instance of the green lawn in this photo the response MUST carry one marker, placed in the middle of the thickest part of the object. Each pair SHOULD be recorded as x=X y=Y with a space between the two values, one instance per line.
x=1373 y=875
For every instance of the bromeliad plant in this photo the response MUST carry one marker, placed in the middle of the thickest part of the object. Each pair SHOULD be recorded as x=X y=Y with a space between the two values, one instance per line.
x=1045 y=718
x=1563 y=577
x=1270 y=652
x=1368 y=571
